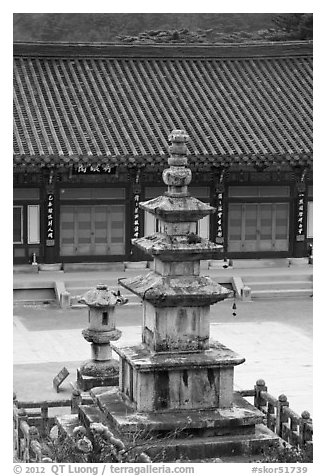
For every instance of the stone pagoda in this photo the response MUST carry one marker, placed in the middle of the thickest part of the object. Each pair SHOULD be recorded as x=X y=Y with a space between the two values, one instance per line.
x=177 y=380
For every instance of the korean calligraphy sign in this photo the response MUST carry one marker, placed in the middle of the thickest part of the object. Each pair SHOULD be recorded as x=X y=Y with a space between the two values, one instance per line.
x=219 y=212
x=300 y=216
x=136 y=215
x=50 y=220
x=94 y=169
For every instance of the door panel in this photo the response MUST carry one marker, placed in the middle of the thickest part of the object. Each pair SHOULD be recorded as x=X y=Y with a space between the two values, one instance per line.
x=258 y=227
x=92 y=230
x=100 y=230
x=250 y=217
x=67 y=233
x=117 y=230
x=282 y=226
x=84 y=231
x=265 y=228
x=235 y=227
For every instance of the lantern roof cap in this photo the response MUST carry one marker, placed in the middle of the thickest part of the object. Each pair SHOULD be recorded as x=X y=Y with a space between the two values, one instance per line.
x=102 y=296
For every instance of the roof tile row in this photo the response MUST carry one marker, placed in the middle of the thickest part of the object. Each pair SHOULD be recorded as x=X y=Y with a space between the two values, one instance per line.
x=109 y=109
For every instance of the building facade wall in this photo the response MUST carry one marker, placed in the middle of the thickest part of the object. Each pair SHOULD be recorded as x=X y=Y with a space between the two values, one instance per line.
x=89 y=217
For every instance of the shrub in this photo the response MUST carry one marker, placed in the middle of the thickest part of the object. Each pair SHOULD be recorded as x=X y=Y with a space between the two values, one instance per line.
x=286 y=453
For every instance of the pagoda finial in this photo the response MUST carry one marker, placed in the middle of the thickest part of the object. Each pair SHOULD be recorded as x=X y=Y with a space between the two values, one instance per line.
x=178 y=176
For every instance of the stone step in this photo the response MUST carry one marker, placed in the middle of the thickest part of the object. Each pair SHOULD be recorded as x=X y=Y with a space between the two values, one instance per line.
x=198 y=448
x=33 y=295
x=288 y=277
x=260 y=263
x=279 y=285
x=281 y=293
x=109 y=266
x=25 y=268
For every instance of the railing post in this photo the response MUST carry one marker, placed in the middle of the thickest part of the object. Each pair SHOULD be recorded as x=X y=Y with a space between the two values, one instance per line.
x=22 y=416
x=34 y=436
x=45 y=419
x=76 y=400
x=260 y=386
x=280 y=417
x=293 y=432
x=305 y=434
x=16 y=426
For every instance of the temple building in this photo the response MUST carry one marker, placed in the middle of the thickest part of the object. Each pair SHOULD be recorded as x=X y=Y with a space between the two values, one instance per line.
x=91 y=123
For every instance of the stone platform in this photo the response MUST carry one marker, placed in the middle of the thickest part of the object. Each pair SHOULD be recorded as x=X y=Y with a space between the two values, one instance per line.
x=241 y=417
x=193 y=436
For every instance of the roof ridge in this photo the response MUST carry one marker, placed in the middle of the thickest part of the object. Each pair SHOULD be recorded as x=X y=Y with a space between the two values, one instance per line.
x=222 y=50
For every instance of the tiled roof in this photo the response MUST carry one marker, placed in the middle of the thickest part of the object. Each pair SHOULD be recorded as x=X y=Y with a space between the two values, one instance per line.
x=122 y=109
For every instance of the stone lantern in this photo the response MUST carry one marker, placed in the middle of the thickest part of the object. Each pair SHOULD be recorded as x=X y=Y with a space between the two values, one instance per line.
x=101 y=369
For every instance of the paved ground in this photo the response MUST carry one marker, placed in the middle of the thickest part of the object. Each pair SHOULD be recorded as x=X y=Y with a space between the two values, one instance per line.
x=274 y=336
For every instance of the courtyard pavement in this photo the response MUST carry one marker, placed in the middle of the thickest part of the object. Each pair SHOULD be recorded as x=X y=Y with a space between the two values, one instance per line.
x=275 y=337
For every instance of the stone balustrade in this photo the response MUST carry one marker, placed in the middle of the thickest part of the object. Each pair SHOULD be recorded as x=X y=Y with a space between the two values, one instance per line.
x=27 y=437
x=280 y=418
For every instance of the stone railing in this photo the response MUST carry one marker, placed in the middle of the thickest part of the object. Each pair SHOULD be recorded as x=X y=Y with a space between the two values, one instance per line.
x=29 y=427
x=31 y=423
x=288 y=425
x=26 y=444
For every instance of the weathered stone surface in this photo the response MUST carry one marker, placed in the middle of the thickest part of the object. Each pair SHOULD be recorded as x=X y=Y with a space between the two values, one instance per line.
x=189 y=247
x=177 y=176
x=177 y=381
x=201 y=448
x=87 y=382
x=176 y=228
x=127 y=420
x=142 y=358
x=179 y=329
x=101 y=337
x=101 y=297
x=177 y=209
x=169 y=291
x=177 y=268
x=100 y=368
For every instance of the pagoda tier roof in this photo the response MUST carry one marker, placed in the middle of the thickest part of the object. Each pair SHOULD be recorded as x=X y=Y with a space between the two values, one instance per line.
x=177 y=209
x=115 y=105
x=176 y=291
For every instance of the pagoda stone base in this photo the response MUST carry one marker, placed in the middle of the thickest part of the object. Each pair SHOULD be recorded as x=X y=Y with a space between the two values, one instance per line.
x=200 y=449
x=172 y=447
x=240 y=418
x=189 y=435
x=176 y=381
